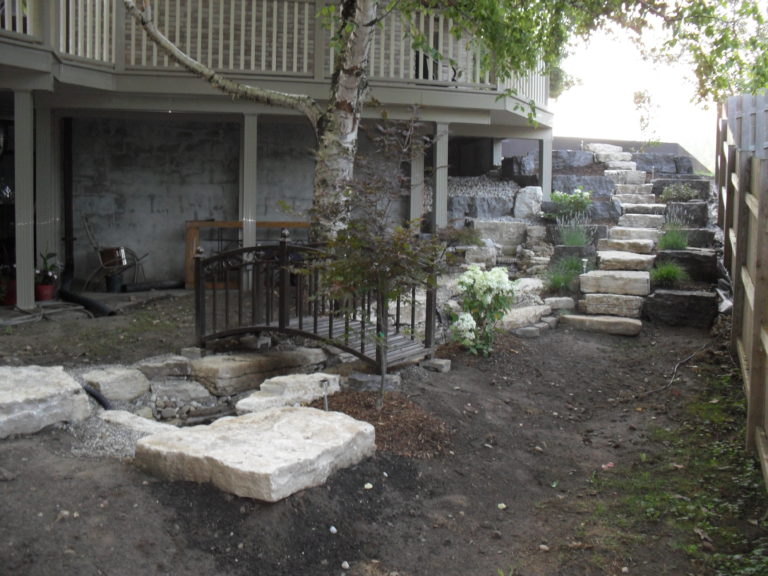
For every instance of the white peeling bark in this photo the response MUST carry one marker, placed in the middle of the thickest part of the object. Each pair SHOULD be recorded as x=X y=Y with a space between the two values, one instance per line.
x=339 y=125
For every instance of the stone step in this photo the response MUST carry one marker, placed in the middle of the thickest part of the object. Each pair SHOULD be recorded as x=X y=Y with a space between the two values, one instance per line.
x=626 y=176
x=621 y=165
x=636 y=246
x=645 y=189
x=600 y=148
x=613 y=157
x=618 y=260
x=614 y=305
x=605 y=324
x=624 y=233
x=642 y=220
x=630 y=282
x=33 y=397
x=266 y=455
x=635 y=198
x=644 y=208
x=288 y=391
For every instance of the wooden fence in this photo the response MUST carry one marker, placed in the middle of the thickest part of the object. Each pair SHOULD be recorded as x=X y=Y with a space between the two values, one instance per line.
x=742 y=180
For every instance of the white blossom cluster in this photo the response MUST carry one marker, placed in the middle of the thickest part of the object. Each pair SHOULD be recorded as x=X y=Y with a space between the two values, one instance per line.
x=486 y=283
x=464 y=327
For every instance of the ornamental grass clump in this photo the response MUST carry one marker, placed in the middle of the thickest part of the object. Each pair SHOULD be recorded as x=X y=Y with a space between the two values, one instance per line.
x=573 y=229
x=485 y=296
x=668 y=274
x=562 y=276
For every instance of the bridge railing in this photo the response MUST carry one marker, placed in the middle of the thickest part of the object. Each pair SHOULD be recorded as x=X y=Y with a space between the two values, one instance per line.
x=283 y=287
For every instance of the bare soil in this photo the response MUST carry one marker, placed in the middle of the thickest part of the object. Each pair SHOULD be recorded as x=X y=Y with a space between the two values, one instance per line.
x=497 y=475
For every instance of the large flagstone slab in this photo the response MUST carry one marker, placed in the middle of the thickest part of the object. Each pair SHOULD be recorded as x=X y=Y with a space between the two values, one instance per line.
x=33 y=397
x=227 y=375
x=266 y=455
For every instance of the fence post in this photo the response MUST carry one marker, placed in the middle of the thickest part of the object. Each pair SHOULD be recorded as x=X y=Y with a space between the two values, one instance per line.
x=283 y=298
x=429 y=328
x=199 y=297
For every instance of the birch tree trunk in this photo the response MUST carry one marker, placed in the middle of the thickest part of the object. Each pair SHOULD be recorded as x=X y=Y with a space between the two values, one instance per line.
x=337 y=128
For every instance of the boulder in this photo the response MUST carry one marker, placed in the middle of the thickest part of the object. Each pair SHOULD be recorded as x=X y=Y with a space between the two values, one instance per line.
x=688 y=214
x=700 y=237
x=525 y=316
x=697 y=309
x=507 y=234
x=560 y=303
x=528 y=202
x=684 y=164
x=565 y=160
x=265 y=455
x=699 y=263
x=181 y=391
x=167 y=366
x=701 y=186
x=226 y=375
x=605 y=210
x=627 y=282
x=528 y=291
x=33 y=397
x=655 y=164
x=289 y=391
x=598 y=186
x=117 y=383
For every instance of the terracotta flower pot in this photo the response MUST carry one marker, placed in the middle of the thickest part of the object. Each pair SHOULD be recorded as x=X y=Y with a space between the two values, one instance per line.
x=44 y=292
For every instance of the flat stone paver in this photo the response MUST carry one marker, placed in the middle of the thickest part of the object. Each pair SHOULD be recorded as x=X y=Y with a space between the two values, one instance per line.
x=33 y=397
x=266 y=455
x=605 y=324
x=289 y=390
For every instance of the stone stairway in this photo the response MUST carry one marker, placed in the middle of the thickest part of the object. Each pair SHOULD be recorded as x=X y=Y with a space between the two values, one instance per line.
x=613 y=295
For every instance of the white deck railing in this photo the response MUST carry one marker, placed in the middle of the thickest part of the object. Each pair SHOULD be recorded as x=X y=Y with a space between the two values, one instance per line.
x=259 y=37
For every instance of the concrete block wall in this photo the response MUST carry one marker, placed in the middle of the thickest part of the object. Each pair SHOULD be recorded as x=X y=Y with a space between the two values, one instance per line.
x=138 y=180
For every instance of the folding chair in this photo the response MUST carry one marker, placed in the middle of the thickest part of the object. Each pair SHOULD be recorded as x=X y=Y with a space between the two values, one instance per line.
x=113 y=260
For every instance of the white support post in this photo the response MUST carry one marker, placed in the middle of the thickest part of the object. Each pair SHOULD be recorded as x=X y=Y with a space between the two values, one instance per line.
x=440 y=183
x=24 y=145
x=497 y=151
x=417 y=184
x=248 y=172
x=47 y=197
x=545 y=165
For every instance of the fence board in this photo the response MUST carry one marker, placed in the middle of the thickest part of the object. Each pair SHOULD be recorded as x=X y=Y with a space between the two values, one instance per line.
x=742 y=177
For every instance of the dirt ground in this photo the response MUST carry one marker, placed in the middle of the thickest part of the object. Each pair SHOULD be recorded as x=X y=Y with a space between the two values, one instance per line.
x=528 y=428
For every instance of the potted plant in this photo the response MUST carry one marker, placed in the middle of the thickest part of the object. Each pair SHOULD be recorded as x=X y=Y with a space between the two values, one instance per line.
x=46 y=277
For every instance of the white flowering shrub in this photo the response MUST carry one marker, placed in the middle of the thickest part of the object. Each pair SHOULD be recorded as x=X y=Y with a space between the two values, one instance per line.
x=485 y=297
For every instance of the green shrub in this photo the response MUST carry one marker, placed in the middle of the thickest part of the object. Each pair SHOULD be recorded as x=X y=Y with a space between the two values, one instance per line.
x=571 y=204
x=668 y=274
x=680 y=192
x=573 y=230
x=673 y=238
x=562 y=276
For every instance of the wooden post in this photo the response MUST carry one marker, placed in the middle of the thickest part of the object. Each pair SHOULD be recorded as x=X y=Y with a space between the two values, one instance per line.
x=199 y=297
x=283 y=298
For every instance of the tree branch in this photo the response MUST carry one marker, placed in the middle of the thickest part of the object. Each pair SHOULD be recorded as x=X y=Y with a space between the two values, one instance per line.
x=302 y=103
